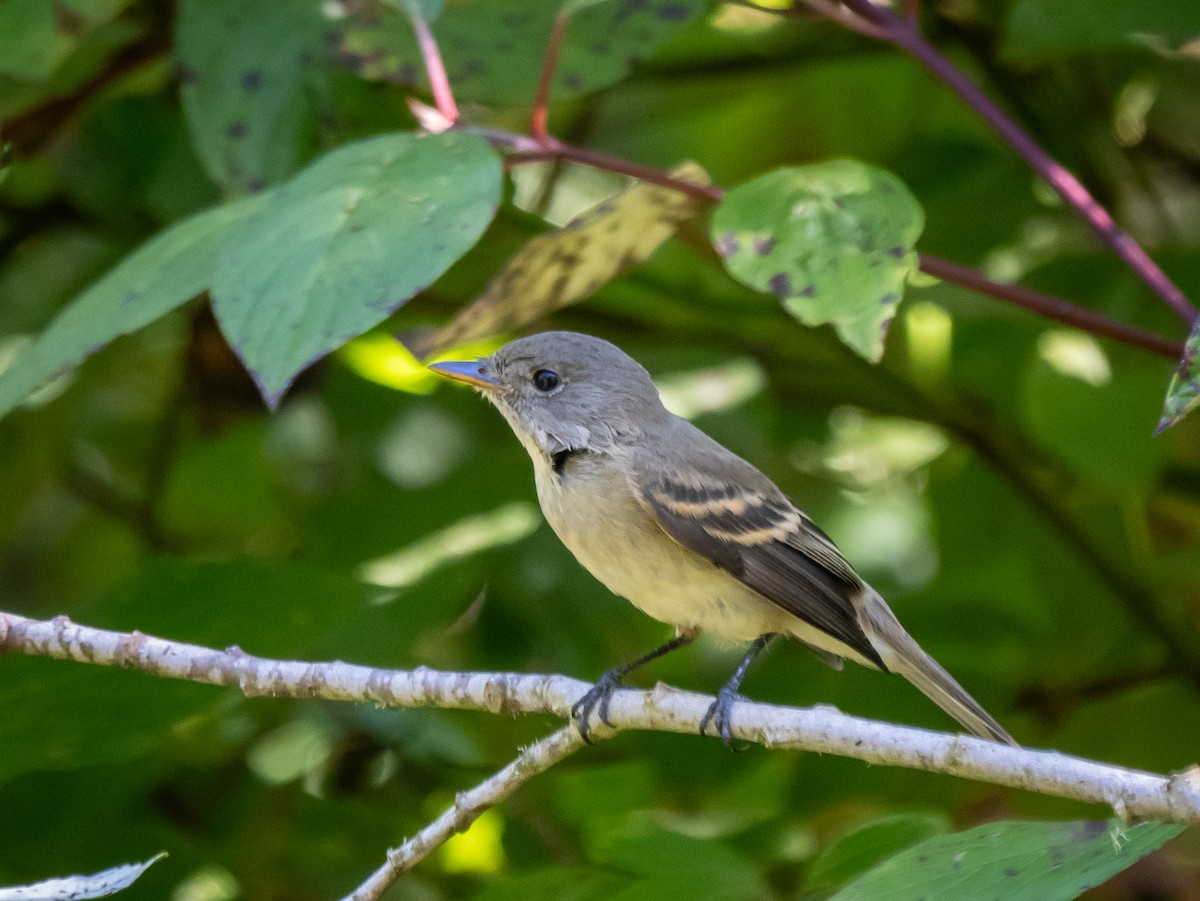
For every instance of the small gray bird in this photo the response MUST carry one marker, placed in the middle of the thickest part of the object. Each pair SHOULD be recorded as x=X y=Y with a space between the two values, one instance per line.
x=689 y=532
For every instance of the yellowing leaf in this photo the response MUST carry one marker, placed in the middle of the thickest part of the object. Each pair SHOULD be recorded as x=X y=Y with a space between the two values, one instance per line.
x=564 y=266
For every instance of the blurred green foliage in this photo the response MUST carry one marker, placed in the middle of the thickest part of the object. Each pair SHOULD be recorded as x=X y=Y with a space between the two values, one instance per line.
x=995 y=476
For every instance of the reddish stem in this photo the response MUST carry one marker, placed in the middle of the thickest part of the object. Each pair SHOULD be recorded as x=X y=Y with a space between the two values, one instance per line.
x=905 y=35
x=434 y=67
x=541 y=101
x=551 y=148
x=1052 y=307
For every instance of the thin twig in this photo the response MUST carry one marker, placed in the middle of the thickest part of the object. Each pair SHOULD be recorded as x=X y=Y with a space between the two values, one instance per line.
x=467 y=807
x=1130 y=793
x=551 y=149
x=443 y=96
x=1052 y=307
x=541 y=101
x=905 y=34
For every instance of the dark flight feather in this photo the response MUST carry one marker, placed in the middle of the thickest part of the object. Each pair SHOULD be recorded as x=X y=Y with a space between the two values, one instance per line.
x=765 y=543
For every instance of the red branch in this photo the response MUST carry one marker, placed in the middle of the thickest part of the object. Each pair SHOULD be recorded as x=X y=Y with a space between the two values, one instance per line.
x=1052 y=307
x=541 y=101
x=905 y=35
x=436 y=69
x=552 y=148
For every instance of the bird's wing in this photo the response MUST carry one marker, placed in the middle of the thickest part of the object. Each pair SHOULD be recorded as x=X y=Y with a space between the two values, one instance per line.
x=760 y=538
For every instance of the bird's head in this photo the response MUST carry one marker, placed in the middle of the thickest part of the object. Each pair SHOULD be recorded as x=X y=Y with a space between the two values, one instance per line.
x=563 y=391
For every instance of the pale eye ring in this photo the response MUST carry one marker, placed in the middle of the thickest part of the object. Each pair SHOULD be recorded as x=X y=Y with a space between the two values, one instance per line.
x=545 y=380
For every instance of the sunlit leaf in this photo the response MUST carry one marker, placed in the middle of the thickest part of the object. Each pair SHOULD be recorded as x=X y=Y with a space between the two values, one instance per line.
x=162 y=274
x=347 y=241
x=1016 y=860
x=564 y=266
x=76 y=888
x=382 y=359
x=833 y=241
x=1183 y=393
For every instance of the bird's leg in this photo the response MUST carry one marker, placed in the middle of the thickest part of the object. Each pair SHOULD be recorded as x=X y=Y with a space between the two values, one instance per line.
x=601 y=693
x=722 y=708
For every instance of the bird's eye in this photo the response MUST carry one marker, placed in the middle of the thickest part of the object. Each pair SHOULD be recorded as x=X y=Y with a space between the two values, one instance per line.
x=545 y=380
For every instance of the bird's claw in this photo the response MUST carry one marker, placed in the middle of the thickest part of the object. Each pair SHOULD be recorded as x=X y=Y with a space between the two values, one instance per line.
x=720 y=714
x=596 y=699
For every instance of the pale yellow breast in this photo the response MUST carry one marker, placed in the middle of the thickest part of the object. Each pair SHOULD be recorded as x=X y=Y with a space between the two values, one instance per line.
x=594 y=513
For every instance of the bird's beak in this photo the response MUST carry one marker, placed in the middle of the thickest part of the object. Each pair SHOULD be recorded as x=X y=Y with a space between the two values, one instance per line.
x=474 y=374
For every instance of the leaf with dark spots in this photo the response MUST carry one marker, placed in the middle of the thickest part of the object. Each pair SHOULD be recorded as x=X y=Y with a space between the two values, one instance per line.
x=780 y=285
x=1035 y=861
x=565 y=266
x=813 y=237
x=246 y=97
x=493 y=49
x=762 y=246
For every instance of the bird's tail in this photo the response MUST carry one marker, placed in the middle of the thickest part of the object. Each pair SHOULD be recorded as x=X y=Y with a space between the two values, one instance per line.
x=901 y=654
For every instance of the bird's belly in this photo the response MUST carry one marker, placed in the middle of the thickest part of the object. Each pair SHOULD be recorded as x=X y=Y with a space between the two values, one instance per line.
x=641 y=563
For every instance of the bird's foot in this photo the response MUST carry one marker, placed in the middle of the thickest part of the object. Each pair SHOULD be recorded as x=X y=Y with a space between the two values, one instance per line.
x=720 y=714
x=596 y=699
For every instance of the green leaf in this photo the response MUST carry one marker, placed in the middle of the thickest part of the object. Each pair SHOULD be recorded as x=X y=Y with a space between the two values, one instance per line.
x=27 y=40
x=833 y=241
x=493 y=49
x=345 y=243
x=670 y=864
x=1183 y=393
x=165 y=272
x=243 y=69
x=1044 y=29
x=553 y=884
x=863 y=848
x=36 y=36
x=1016 y=860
